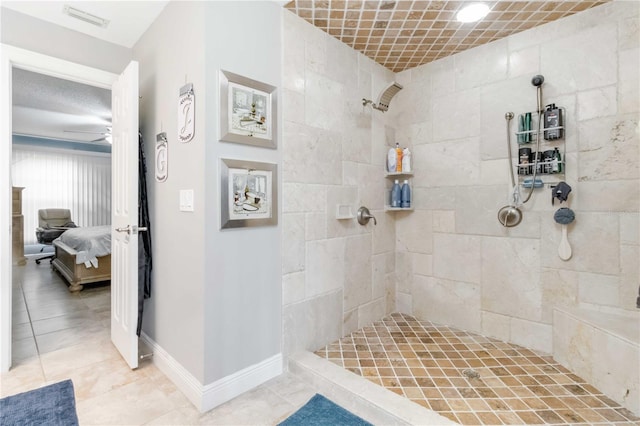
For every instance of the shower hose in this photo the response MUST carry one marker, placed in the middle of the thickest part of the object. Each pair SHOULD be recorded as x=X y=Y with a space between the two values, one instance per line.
x=515 y=196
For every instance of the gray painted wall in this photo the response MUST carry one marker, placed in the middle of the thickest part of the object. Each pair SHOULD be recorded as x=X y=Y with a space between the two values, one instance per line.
x=33 y=34
x=170 y=53
x=243 y=266
x=216 y=304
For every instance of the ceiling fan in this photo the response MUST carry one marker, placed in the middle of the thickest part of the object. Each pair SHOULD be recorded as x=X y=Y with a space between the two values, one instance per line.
x=106 y=135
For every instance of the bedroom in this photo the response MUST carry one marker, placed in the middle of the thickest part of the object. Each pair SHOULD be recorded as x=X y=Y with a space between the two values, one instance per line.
x=61 y=161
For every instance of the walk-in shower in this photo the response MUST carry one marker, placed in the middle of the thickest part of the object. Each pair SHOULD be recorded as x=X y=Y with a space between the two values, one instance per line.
x=511 y=215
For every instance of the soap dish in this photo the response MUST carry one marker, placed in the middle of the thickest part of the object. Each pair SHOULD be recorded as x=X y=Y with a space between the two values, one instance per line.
x=344 y=211
x=536 y=184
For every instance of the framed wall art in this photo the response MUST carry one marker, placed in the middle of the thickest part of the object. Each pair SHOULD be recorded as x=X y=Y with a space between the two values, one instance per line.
x=248 y=112
x=248 y=194
x=162 y=157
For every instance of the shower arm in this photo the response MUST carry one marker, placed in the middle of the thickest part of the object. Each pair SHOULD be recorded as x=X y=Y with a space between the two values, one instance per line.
x=366 y=102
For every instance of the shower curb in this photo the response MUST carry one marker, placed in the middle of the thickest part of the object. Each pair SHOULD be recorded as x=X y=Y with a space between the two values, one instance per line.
x=357 y=394
x=577 y=331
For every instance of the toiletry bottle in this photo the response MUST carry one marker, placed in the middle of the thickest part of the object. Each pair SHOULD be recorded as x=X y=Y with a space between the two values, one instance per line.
x=552 y=118
x=392 y=160
x=396 y=194
x=557 y=161
x=406 y=160
x=398 y=158
x=524 y=161
x=521 y=129
x=405 y=201
x=537 y=158
x=527 y=127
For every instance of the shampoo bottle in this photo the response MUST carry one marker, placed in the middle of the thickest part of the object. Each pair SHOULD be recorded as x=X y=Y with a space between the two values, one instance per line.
x=406 y=160
x=552 y=120
x=398 y=158
x=557 y=161
x=406 y=195
x=392 y=160
x=396 y=194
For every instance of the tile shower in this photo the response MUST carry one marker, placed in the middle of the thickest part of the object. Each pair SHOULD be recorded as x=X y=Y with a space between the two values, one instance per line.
x=450 y=261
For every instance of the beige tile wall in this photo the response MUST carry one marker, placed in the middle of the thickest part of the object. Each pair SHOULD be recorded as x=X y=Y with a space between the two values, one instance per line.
x=505 y=282
x=338 y=276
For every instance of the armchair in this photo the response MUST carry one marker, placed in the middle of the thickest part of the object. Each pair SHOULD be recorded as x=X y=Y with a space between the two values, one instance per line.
x=51 y=224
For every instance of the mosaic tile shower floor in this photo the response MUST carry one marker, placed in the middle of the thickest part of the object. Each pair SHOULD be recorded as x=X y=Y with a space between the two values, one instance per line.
x=471 y=379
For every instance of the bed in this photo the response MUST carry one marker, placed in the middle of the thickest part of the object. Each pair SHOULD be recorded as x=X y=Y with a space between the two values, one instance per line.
x=83 y=255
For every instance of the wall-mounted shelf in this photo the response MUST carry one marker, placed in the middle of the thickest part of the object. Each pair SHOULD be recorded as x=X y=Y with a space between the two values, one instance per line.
x=399 y=174
x=397 y=209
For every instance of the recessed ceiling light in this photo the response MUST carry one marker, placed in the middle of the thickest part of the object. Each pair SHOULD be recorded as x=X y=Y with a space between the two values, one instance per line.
x=472 y=13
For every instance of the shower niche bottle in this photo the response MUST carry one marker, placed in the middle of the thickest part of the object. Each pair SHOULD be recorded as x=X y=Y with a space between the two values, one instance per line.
x=405 y=195
x=398 y=158
x=396 y=194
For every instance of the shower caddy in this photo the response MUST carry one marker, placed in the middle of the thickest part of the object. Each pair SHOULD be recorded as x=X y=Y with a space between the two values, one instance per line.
x=549 y=179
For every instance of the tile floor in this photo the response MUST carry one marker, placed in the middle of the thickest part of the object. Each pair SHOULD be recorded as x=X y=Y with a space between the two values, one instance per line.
x=58 y=335
x=472 y=379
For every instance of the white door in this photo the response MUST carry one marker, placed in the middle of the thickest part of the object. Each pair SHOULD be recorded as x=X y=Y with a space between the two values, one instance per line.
x=124 y=214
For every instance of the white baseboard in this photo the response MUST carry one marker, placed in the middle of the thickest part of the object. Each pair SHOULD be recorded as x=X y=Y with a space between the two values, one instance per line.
x=204 y=398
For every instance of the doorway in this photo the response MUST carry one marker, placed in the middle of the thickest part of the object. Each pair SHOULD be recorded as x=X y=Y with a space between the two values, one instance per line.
x=30 y=61
x=61 y=160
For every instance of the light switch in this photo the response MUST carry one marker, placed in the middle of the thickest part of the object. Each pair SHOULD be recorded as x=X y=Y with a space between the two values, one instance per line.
x=186 y=200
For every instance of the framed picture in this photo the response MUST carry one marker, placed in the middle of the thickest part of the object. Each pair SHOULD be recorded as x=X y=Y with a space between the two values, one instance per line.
x=248 y=194
x=247 y=111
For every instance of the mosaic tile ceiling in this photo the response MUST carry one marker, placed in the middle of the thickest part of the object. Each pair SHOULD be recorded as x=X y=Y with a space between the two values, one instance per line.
x=404 y=34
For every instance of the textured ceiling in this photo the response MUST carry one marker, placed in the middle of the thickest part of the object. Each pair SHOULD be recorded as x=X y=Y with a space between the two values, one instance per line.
x=61 y=109
x=404 y=34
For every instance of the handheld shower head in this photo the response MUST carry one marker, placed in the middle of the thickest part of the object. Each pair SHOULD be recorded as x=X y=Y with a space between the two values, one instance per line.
x=537 y=80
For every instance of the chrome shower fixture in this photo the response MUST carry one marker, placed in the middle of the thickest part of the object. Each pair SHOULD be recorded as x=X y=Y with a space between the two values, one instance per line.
x=537 y=81
x=385 y=97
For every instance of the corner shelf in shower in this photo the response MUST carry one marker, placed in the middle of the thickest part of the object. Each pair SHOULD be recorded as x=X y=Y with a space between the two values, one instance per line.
x=400 y=176
x=550 y=178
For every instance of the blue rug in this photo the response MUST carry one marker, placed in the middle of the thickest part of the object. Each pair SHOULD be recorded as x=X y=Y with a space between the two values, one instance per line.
x=50 y=405
x=319 y=411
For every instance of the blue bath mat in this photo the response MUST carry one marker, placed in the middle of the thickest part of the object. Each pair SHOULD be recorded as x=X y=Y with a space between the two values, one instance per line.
x=50 y=405
x=319 y=411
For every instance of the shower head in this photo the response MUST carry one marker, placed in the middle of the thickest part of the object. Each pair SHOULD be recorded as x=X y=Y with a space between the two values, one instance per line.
x=537 y=80
x=385 y=97
x=508 y=115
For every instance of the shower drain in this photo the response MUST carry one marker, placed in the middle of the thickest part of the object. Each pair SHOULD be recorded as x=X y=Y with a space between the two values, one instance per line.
x=471 y=374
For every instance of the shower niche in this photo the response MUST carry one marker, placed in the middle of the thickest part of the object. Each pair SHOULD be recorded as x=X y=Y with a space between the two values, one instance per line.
x=391 y=178
x=548 y=163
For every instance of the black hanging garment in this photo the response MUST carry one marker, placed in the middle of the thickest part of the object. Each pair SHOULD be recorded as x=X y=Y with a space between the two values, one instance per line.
x=144 y=238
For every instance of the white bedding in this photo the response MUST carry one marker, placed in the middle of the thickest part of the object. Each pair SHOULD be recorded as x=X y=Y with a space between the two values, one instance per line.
x=89 y=242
